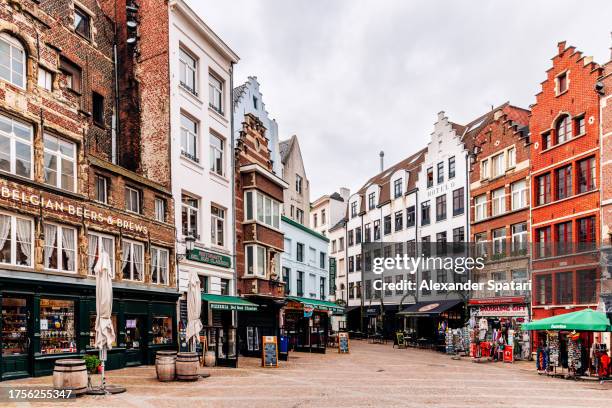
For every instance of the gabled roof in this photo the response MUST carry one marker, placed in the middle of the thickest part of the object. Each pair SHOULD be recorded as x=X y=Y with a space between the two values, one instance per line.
x=285 y=146
x=238 y=92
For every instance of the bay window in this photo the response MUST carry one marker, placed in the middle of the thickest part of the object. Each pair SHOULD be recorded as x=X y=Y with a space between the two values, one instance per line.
x=60 y=248
x=159 y=265
x=16 y=237
x=60 y=163
x=16 y=153
x=255 y=260
x=132 y=260
x=96 y=244
x=262 y=208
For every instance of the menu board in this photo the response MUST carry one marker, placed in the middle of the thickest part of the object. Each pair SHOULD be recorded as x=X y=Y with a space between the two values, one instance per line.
x=343 y=342
x=269 y=357
x=401 y=342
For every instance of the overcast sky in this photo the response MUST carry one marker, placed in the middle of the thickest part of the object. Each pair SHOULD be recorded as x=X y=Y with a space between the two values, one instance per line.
x=353 y=77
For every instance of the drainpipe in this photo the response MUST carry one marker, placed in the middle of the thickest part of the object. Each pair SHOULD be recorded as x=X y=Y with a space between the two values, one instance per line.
x=232 y=183
x=116 y=122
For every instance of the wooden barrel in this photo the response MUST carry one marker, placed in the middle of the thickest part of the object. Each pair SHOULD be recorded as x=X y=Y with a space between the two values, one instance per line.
x=187 y=366
x=165 y=365
x=70 y=374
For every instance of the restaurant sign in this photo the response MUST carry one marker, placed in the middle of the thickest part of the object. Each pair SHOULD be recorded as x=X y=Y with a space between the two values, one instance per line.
x=211 y=258
x=233 y=306
x=501 y=310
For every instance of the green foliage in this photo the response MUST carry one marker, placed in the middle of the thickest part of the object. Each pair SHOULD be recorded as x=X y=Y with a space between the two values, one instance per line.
x=92 y=363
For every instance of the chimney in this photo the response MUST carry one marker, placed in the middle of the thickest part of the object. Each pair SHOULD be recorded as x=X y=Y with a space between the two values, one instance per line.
x=345 y=193
x=382 y=160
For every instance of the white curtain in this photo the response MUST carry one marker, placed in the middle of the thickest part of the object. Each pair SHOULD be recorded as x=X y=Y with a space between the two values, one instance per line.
x=24 y=235
x=109 y=247
x=125 y=249
x=50 y=238
x=163 y=267
x=68 y=246
x=5 y=229
x=93 y=251
x=138 y=261
x=154 y=265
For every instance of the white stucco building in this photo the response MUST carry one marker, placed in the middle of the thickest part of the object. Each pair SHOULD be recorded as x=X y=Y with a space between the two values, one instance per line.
x=327 y=210
x=200 y=107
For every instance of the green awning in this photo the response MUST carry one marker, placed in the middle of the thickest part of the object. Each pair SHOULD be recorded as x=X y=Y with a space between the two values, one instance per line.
x=224 y=302
x=587 y=320
x=318 y=304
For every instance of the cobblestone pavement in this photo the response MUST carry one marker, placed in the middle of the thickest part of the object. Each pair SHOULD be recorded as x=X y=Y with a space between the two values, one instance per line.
x=371 y=376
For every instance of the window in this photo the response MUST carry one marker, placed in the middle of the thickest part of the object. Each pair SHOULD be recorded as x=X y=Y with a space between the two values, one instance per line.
x=287 y=279
x=132 y=260
x=410 y=216
x=451 y=167
x=458 y=201
x=441 y=208
x=358 y=235
x=426 y=278
x=579 y=126
x=586 y=175
x=45 y=78
x=441 y=237
x=299 y=253
x=564 y=237
x=561 y=83
x=12 y=61
x=82 y=23
x=387 y=224
x=217 y=220
x=388 y=280
x=73 y=74
x=352 y=289
x=190 y=216
x=519 y=238
x=322 y=261
x=60 y=248
x=60 y=163
x=101 y=189
x=16 y=238
x=353 y=209
x=459 y=234
x=563 y=129
x=376 y=230
x=300 y=284
x=397 y=188
x=341 y=244
x=564 y=182
x=255 y=260
x=480 y=207
x=543 y=186
x=565 y=287
x=430 y=177
x=299 y=215
x=481 y=243
x=519 y=194
x=298 y=183
x=511 y=157
x=225 y=286
x=440 y=172
x=216 y=154
x=132 y=200
x=587 y=285
x=546 y=140
x=96 y=244
x=255 y=102
x=159 y=266
x=399 y=221
x=497 y=165
x=484 y=169
x=543 y=290
x=366 y=233
x=15 y=147
x=358 y=262
x=351 y=264
x=371 y=201
x=425 y=216
x=586 y=232
x=323 y=220
x=498 y=198
x=264 y=209
x=350 y=238
x=543 y=242
x=160 y=209
x=441 y=277
x=189 y=138
x=188 y=71
x=97 y=103
x=315 y=220
x=333 y=247
x=499 y=241
x=215 y=93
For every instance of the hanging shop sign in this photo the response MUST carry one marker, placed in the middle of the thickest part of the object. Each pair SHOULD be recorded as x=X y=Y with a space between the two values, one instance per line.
x=498 y=301
x=501 y=310
x=211 y=258
x=308 y=311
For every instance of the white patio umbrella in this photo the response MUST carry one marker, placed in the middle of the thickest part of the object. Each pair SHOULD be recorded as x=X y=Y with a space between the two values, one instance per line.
x=194 y=309
x=105 y=333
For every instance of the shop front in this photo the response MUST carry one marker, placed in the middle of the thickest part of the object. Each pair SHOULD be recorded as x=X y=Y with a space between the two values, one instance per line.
x=46 y=320
x=307 y=323
x=427 y=322
x=252 y=326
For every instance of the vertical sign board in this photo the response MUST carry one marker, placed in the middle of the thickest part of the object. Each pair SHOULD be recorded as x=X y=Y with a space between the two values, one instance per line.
x=399 y=338
x=343 y=342
x=269 y=356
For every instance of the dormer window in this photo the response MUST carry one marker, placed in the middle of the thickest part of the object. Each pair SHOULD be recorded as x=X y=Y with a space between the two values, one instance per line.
x=371 y=201
x=397 y=188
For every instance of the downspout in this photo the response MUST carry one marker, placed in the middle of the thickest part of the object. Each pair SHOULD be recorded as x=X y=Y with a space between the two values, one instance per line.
x=233 y=179
x=116 y=123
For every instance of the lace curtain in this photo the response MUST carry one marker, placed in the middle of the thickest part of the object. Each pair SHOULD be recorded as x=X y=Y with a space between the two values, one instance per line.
x=138 y=261
x=68 y=247
x=163 y=267
x=5 y=229
x=125 y=249
x=154 y=265
x=50 y=238
x=92 y=242
x=24 y=236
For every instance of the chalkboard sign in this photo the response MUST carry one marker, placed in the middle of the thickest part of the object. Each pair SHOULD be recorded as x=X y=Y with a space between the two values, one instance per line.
x=343 y=342
x=269 y=357
x=399 y=337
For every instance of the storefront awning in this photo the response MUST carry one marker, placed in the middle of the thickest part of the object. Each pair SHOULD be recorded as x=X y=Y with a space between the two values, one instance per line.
x=318 y=304
x=430 y=308
x=586 y=319
x=223 y=302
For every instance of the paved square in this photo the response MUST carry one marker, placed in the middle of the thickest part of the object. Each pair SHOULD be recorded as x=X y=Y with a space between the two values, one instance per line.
x=371 y=376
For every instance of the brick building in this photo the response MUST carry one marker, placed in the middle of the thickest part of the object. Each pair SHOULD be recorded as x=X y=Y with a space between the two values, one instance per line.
x=259 y=240
x=565 y=215
x=66 y=194
x=499 y=220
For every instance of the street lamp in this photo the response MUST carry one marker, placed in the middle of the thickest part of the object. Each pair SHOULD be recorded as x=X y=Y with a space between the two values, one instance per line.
x=189 y=242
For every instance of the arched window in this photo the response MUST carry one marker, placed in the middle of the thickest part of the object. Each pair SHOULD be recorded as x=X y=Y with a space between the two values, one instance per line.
x=564 y=129
x=12 y=60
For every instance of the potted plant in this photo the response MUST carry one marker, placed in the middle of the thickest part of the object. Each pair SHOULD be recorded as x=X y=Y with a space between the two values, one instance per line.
x=92 y=363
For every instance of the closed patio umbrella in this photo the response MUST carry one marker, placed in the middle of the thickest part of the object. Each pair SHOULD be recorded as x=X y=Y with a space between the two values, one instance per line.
x=194 y=309
x=105 y=333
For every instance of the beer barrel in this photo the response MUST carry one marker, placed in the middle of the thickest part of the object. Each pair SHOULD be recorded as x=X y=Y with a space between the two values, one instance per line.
x=165 y=365
x=70 y=374
x=187 y=366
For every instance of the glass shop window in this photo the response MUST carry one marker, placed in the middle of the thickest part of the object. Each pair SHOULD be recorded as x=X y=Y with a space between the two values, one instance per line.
x=57 y=332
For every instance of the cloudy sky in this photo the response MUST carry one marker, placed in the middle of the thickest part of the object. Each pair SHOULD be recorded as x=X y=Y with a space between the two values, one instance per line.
x=353 y=77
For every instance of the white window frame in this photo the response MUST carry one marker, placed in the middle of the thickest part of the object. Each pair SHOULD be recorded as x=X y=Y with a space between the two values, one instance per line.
x=511 y=157
x=258 y=252
x=59 y=236
x=160 y=209
x=520 y=237
x=187 y=70
x=498 y=201
x=14 y=45
x=214 y=150
x=519 y=196
x=484 y=169
x=14 y=139
x=189 y=137
x=129 y=195
x=132 y=244
x=13 y=238
x=45 y=78
x=298 y=183
x=498 y=165
x=217 y=220
x=157 y=269
x=191 y=209
x=215 y=92
x=100 y=237
x=59 y=159
x=261 y=215
x=480 y=207
x=498 y=241
x=98 y=177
